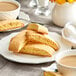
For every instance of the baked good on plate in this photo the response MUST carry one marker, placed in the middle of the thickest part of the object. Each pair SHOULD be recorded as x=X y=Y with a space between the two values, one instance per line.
x=36 y=37
x=52 y=74
x=38 y=49
x=38 y=28
x=10 y=24
x=34 y=43
x=18 y=41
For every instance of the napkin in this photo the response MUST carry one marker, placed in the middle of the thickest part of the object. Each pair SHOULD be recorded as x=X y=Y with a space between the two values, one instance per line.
x=52 y=67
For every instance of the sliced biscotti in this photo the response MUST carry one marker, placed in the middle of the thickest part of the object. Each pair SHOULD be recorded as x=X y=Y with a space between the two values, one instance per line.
x=36 y=37
x=38 y=28
x=38 y=50
x=17 y=42
x=52 y=74
x=10 y=24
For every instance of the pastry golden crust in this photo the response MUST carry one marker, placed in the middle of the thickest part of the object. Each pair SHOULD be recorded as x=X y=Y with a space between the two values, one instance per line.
x=38 y=28
x=18 y=42
x=10 y=24
x=38 y=49
x=34 y=41
x=52 y=74
x=36 y=37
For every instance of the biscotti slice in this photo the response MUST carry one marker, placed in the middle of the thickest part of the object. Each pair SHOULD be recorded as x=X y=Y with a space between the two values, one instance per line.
x=10 y=24
x=36 y=37
x=38 y=50
x=51 y=74
x=38 y=28
x=17 y=42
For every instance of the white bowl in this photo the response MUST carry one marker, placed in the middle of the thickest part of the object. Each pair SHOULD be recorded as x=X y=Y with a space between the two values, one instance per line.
x=10 y=14
x=65 y=70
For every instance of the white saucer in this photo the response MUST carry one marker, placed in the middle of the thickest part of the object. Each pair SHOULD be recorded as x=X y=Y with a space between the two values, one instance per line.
x=24 y=58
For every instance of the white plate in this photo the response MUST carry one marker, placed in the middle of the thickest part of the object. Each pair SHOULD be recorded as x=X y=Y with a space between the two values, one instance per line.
x=25 y=19
x=24 y=58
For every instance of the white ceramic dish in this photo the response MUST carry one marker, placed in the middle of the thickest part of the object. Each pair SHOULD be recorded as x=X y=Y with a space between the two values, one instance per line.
x=69 y=34
x=64 y=13
x=10 y=14
x=64 y=69
x=25 y=19
x=24 y=58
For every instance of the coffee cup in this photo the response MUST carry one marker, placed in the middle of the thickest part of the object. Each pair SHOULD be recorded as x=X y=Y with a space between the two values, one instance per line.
x=11 y=9
x=66 y=70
